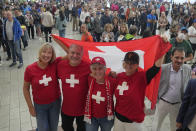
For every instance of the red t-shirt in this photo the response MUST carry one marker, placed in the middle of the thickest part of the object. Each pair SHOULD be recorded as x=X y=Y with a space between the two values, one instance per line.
x=99 y=108
x=74 y=86
x=44 y=82
x=162 y=8
x=130 y=94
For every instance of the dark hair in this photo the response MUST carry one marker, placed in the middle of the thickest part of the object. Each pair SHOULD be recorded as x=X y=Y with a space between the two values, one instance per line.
x=179 y=49
x=114 y=19
x=107 y=8
x=132 y=58
x=87 y=17
x=61 y=15
x=147 y=33
x=47 y=8
x=186 y=17
x=133 y=30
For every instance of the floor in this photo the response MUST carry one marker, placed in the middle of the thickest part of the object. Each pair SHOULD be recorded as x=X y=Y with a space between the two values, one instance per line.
x=14 y=114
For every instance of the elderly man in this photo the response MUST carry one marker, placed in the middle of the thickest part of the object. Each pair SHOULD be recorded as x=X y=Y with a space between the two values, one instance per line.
x=12 y=32
x=73 y=73
x=180 y=41
x=174 y=79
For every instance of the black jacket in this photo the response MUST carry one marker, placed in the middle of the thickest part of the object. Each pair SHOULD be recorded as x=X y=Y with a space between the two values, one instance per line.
x=188 y=108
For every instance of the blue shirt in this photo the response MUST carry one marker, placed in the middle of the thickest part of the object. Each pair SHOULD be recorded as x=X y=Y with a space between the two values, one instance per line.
x=150 y=17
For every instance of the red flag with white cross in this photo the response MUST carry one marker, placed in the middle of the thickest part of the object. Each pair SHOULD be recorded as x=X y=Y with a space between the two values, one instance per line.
x=149 y=50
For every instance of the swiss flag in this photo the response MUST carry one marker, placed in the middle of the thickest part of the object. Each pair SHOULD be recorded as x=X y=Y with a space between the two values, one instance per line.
x=149 y=49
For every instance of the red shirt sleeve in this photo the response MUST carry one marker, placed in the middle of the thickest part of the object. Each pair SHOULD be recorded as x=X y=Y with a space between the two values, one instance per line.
x=27 y=75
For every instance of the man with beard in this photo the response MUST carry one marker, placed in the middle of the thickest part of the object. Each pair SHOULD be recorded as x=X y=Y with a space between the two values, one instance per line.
x=174 y=79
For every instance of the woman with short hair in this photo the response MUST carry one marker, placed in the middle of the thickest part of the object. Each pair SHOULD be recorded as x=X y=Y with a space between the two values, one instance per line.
x=41 y=76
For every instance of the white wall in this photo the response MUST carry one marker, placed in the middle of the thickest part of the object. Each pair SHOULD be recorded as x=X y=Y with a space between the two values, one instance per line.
x=182 y=1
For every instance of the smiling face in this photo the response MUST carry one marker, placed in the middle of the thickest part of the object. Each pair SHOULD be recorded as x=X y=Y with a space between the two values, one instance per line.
x=130 y=68
x=46 y=55
x=75 y=55
x=98 y=71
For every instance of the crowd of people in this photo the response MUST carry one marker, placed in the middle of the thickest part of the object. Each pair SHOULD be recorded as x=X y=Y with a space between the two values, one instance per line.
x=86 y=88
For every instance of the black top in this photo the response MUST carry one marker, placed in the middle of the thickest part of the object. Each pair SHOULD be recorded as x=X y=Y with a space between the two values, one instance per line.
x=21 y=19
x=150 y=74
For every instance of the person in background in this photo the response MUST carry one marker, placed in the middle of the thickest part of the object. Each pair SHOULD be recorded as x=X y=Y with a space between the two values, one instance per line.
x=86 y=36
x=47 y=22
x=107 y=35
x=106 y=18
x=37 y=21
x=12 y=33
x=192 y=36
x=151 y=22
x=162 y=23
x=131 y=34
x=30 y=24
x=74 y=14
x=23 y=24
x=4 y=42
x=115 y=25
x=61 y=24
x=89 y=24
x=97 y=26
x=66 y=12
x=143 y=21
x=41 y=76
x=121 y=33
x=84 y=14
x=180 y=41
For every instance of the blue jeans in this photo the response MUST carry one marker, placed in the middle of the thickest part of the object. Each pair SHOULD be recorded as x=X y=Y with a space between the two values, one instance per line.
x=62 y=33
x=15 y=50
x=47 y=115
x=104 y=123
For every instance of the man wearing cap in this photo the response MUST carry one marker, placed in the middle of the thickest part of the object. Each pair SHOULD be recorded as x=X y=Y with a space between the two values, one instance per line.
x=130 y=93
x=192 y=35
x=174 y=79
x=99 y=110
x=73 y=73
x=180 y=41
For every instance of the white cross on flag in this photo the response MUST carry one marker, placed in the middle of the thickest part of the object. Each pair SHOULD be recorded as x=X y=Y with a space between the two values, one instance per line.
x=98 y=97
x=45 y=80
x=149 y=50
x=72 y=81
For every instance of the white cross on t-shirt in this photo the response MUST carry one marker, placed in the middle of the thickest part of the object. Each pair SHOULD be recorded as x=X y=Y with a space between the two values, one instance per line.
x=122 y=88
x=98 y=97
x=72 y=81
x=45 y=80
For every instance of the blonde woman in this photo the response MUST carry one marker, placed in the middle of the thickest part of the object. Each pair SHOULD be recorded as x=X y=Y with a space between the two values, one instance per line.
x=107 y=35
x=41 y=76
